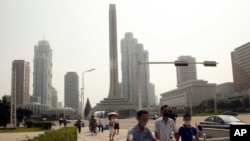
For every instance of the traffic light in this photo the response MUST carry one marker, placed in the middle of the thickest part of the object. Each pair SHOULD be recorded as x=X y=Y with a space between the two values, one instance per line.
x=180 y=63
x=210 y=63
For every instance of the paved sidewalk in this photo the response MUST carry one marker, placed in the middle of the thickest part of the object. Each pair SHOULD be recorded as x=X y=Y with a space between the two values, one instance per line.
x=86 y=135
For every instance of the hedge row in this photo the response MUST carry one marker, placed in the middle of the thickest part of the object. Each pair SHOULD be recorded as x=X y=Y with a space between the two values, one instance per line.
x=42 y=124
x=62 y=134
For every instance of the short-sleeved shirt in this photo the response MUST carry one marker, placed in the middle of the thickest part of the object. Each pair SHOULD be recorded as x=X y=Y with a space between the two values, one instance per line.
x=140 y=135
x=116 y=120
x=100 y=122
x=187 y=133
x=164 y=129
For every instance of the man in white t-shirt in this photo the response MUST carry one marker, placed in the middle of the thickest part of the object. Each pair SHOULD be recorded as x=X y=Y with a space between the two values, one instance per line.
x=100 y=124
x=165 y=126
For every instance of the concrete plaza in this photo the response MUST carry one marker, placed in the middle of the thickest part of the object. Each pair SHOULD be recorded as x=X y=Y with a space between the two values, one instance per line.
x=86 y=135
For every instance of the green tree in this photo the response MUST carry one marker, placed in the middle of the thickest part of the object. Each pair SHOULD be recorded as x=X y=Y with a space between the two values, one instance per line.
x=87 y=108
x=222 y=104
x=235 y=103
x=21 y=113
x=245 y=101
x=4 y=112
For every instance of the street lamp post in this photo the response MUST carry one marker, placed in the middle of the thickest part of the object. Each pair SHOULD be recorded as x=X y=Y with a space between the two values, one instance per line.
x=177 y=64
x=82 y=92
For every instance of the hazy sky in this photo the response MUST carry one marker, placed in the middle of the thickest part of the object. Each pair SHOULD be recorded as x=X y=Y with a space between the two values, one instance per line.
x=77 y=31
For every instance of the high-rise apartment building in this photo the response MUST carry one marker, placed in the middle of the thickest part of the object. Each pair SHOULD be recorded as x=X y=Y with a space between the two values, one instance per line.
x=71 y=90
x=21 y=81
x=42 y=76
x=186 y=73
x=152 y=97
x=54 y=98
x=241 y=68
x=132 y=52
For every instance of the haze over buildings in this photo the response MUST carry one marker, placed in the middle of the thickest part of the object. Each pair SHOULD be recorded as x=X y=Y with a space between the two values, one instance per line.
x=78 y=33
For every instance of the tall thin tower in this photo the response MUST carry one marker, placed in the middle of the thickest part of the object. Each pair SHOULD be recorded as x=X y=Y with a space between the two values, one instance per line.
x=115 y=101
x=114 y=84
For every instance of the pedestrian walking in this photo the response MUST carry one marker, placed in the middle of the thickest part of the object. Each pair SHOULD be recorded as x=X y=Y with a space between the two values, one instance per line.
x=100 y=124
x=93 y=125
x=111 y=129
x=64 y=122
x=78 y=125
x=187 y=132
x=60 y=121
x=173 y=115
x=117 y=125
x=140 y=132
x=165 y=126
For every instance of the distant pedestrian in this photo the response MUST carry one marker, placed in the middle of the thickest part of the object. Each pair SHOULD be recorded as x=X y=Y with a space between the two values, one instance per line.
x=100 y=124
x=140 y=132
x=111 y=129
x=187 y=132
x=117 y=125
x=60 y=121
x=64 y=122
x=93 y=124
x=173 y=115
x=78 y=125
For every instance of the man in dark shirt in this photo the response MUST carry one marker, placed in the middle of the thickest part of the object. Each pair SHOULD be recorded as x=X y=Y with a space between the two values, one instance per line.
x=187 y=132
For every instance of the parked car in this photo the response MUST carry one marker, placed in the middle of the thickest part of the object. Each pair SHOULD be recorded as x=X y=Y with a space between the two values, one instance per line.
x=153 y=116
x=221 y=121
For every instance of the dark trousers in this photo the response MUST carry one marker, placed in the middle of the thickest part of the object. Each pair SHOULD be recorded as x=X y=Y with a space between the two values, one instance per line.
x=100 y=127
x=79 y=129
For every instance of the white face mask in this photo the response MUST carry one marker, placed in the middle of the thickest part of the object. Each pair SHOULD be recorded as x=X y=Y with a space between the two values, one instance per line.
x=187 y=122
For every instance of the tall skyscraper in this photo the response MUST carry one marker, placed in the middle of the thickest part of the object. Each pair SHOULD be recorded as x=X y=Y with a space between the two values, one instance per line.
x=114 y=84
x=21 y=81
x=241 y=70
x=42 y=76
x=71 y=90
x=132 y=52
x=129 y=66
x=152 y=96
x=187 y=73
x=54 y=98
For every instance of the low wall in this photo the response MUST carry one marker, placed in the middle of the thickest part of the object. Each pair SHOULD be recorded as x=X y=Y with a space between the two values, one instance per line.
x=216 y=133
x=216 y=139
x=211 y=134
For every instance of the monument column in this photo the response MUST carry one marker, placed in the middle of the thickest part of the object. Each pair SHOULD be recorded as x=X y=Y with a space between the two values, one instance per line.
x=114 y=84
x=114 y=102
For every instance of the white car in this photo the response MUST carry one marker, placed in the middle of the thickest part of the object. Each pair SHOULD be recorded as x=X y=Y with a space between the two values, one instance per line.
x=153 y=116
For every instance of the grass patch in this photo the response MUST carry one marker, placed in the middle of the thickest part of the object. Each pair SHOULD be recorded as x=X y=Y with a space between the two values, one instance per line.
x=20 y=129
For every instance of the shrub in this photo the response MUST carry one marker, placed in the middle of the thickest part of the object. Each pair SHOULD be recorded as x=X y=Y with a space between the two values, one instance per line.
x=40 y=124
x=63 y=134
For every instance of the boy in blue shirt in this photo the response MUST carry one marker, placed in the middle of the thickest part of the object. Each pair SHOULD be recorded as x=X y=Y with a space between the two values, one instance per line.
x=187 y=132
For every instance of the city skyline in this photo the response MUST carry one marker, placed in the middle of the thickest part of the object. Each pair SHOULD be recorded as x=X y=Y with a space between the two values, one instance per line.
x=78 y=35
